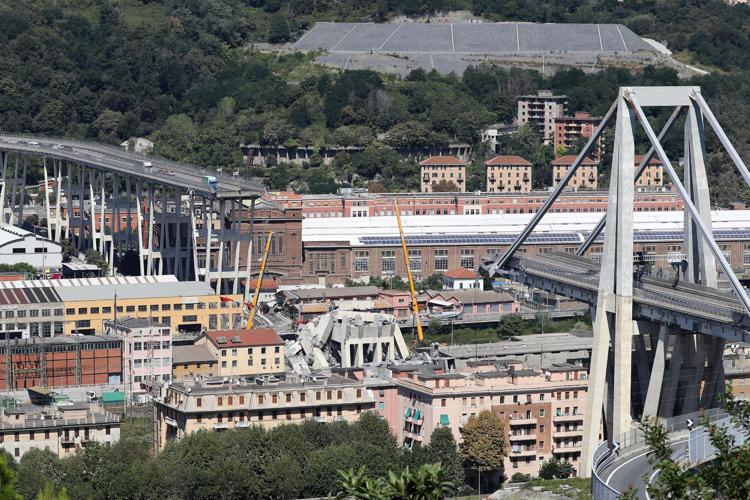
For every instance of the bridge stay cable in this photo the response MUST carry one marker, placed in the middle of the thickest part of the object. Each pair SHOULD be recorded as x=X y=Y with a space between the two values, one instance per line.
x=706 y=233
x=646 y=159
x=493 y=265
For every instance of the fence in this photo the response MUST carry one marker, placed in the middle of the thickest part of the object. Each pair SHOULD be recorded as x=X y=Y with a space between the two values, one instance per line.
x=700 y=447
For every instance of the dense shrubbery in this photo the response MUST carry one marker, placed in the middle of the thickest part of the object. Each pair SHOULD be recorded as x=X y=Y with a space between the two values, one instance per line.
x=290 y=461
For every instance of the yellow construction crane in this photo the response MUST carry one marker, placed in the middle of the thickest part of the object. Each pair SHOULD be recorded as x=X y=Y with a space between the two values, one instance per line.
x=254 y=304
x=415 y=306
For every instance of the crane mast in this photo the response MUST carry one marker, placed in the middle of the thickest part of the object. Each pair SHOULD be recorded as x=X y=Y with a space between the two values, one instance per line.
x=415 y=306
x=254 y=304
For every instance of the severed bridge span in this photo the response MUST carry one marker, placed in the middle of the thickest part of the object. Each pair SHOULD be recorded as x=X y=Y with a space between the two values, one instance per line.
x=176 y=218
x=658 y=343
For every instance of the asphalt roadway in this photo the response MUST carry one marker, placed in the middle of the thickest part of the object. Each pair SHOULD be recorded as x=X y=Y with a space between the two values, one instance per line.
x=105 y=157
x=631 y=469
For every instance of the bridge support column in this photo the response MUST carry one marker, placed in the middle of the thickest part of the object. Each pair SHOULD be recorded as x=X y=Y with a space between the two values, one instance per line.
x=46 y=198
x=81 y=201
x=57 y=169
x=651 y=406
x=93 y=233
x=163 y=233
x=208 y=225
x=151 y=231
x=222 y=237
x=12 y=217
x=139 y=215
x=22 y=192
x=116 y=219
x=193 y=237
x=236 y=230
x=3 y=187
x=249 y=260
x=614 y=311
x=669 y=392
x=69 y=202
x=177 y=248
x=128 y=214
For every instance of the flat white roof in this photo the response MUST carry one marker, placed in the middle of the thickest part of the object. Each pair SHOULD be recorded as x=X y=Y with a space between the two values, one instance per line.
x=351 y=229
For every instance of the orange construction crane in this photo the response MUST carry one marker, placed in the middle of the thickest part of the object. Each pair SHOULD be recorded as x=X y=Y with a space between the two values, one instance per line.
x=254 y=304
x=415 y=306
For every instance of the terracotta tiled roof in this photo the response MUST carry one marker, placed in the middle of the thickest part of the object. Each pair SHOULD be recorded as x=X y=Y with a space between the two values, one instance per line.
x=442 y=160
x=247 y=338
x=508 y=160
x=569 y=159
x=653 y=161
x=462 y=274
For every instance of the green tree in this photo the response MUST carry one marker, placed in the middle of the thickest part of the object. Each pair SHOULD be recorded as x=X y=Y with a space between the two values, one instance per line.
x=278 y=31
x=727 y=476
x=510 y=325
x=7 y=492
x=443 y=449
x=444 y=186
x=483 y=444
x=555 y=469
x=37 y=468
x=432 y=282
x=96 y=259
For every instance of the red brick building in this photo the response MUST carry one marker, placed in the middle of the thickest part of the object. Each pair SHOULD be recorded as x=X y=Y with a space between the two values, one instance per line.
x=569 y=129
x=60 y=362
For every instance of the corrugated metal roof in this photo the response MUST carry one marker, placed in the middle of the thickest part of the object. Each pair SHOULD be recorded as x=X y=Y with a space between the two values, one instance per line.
x=131 y=287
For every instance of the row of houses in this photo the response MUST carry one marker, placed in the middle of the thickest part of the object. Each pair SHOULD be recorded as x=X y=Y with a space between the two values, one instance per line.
x=513 y=174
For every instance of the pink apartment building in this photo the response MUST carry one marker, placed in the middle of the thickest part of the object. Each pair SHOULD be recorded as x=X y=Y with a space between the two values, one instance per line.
x=146 y=351
x=542 y=410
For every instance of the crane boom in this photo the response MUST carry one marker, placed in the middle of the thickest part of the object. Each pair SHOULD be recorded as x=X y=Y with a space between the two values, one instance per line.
x=254 y=304
x=415 y=306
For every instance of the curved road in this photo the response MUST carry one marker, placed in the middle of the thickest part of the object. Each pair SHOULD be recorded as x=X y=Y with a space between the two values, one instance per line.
x=105 y=157
x=629 y=470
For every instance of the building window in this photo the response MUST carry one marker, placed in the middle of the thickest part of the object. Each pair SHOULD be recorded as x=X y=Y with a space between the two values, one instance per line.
x=388 y=261
x=415 y=261
x=130 y=309
x=467 y=258
x=441 y=260
x=361 y=261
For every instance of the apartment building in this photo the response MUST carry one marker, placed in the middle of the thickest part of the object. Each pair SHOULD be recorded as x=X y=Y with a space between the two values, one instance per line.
x=146 y=351
x=215 y=404
x=60 y=361
x=542 y=410
x=259 y=351
x=447 y=170
x=653 y=174
x=540 y=110
x=63 y=430
x=508 y=174
x=570 y=129
x=585 y=176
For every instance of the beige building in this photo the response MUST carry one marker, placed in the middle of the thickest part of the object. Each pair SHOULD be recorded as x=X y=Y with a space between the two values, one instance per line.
x=190 y=406
x=193 y=360
x=60 y=429
x=541 y=110
x=259 y=351
x=508 y=174
x=585 y=177
x=437 y=170
x=542 y=410
x=653 y=174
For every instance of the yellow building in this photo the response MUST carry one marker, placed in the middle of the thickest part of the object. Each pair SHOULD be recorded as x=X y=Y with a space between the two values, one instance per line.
x=585 y=176
x=193 y=360
x=183 y=305
x=508 y=174
x=445 y=170
x=245 y=352
x=653 y=174
x=190 y=406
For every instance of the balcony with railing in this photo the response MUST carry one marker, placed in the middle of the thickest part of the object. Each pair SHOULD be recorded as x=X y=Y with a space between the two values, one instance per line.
x=522 y=437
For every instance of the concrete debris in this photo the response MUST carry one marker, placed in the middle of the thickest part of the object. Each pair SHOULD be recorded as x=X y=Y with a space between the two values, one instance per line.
x=346 y=339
